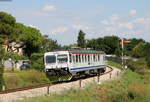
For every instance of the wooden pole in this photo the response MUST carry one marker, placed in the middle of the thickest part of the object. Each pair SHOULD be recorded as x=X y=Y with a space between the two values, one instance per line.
x=110 y=75
x=98 y=77
x=48 y=89
x=80 y=82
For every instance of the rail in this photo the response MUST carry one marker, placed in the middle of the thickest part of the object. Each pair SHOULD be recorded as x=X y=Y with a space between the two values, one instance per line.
x=49 y=84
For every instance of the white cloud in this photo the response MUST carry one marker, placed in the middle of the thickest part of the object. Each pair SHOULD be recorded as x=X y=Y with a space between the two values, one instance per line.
x=132 y=12
x=65 y=29
x=80 y=27
x=49 y=8
x=33 y=26
x=114 y=17
x=105 y=22
x=128 y=26
x=125 y=26
x=59 y=30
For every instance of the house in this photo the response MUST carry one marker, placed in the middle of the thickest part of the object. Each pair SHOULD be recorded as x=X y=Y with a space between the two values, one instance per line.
x=16 y=47
x=10 y=64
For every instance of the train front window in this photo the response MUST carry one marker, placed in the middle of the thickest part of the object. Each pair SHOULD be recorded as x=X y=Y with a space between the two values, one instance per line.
x=62 y=58
x=51 y=59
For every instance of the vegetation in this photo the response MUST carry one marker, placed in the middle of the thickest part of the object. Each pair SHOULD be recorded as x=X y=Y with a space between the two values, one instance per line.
x=132 y=87
x=108 y=44
x=36 y=44
x=81 y=39
x=1 y=69
x=37 y=61
x=19 y=79
x=112 y=63
x=34 y=41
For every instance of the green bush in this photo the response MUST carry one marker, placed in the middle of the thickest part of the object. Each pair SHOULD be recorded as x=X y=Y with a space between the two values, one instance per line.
x=139 y=66
x=37 y=61
x=148 y=60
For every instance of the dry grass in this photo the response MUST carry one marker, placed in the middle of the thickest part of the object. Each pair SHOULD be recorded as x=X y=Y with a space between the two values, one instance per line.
x=24 y=79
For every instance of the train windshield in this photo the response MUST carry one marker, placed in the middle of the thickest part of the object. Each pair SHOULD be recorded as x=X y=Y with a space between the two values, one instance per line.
x=62 y=58
x=51 y=59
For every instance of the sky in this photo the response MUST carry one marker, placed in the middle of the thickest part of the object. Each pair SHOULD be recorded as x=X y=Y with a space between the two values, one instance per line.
x=61 y=20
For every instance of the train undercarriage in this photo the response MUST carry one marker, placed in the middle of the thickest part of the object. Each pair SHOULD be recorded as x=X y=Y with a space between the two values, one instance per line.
x=63 y=74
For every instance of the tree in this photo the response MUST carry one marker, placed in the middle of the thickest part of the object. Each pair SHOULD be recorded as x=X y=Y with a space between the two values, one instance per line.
x=49 y=45
x=92 y=44
x=137 y=50
x=146 y=53
x=32 y=39
x=1 y=68
x=7 y=23
x=81 y=39
x=111 y=44
x=129 y=46
x=108 y=44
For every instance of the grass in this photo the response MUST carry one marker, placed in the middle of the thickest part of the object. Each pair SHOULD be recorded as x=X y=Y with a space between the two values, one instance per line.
x=132 y=87
x=25 y=78
x=19 y=79
x=114 y=64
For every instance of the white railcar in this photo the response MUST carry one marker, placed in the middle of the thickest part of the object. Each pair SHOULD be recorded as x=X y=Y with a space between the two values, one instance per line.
x=75 y=62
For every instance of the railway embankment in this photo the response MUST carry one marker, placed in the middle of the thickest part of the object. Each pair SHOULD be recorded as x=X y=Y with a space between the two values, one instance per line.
x=59 y=88
x=131 y=87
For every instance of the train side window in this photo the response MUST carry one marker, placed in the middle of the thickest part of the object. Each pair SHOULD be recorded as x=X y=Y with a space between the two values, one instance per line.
x=79 y=57
x=88 y=58
x=94 y=58
x=98 y=57
x=70 y=58
x=76 y=58
x=83 y=59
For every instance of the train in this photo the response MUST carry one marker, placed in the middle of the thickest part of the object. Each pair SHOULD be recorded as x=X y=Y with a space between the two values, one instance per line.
x=76 y=62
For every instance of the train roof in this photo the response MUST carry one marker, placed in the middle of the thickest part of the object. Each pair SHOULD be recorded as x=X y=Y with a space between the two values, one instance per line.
x=80 y=51
x=86 y=51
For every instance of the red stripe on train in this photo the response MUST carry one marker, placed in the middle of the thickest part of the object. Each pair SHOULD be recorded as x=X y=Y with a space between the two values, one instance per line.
x=87 y=53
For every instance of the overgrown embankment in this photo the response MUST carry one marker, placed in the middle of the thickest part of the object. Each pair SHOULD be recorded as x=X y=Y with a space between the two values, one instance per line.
x=20 y=79
x=133 y=86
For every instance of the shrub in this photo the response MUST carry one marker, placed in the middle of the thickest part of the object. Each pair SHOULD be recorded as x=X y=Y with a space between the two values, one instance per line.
x=37 y=61
x=139 y=66
x=148 y=60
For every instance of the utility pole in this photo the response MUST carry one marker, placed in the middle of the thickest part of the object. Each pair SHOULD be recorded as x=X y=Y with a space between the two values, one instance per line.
x=122 y=46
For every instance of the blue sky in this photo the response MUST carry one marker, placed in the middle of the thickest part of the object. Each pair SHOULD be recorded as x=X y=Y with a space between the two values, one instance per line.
x=62 y=19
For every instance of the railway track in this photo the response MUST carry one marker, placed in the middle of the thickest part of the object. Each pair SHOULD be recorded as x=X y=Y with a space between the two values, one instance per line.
x=51 y=84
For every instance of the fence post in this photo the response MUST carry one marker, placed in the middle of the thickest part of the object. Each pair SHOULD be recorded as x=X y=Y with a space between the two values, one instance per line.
x=48 y=88
x=110 y=75
x=117 y=73
x=80 y=82
x=98 y=77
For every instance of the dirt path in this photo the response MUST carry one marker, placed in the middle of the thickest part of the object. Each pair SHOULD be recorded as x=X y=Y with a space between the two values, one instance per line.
x=59 y=88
